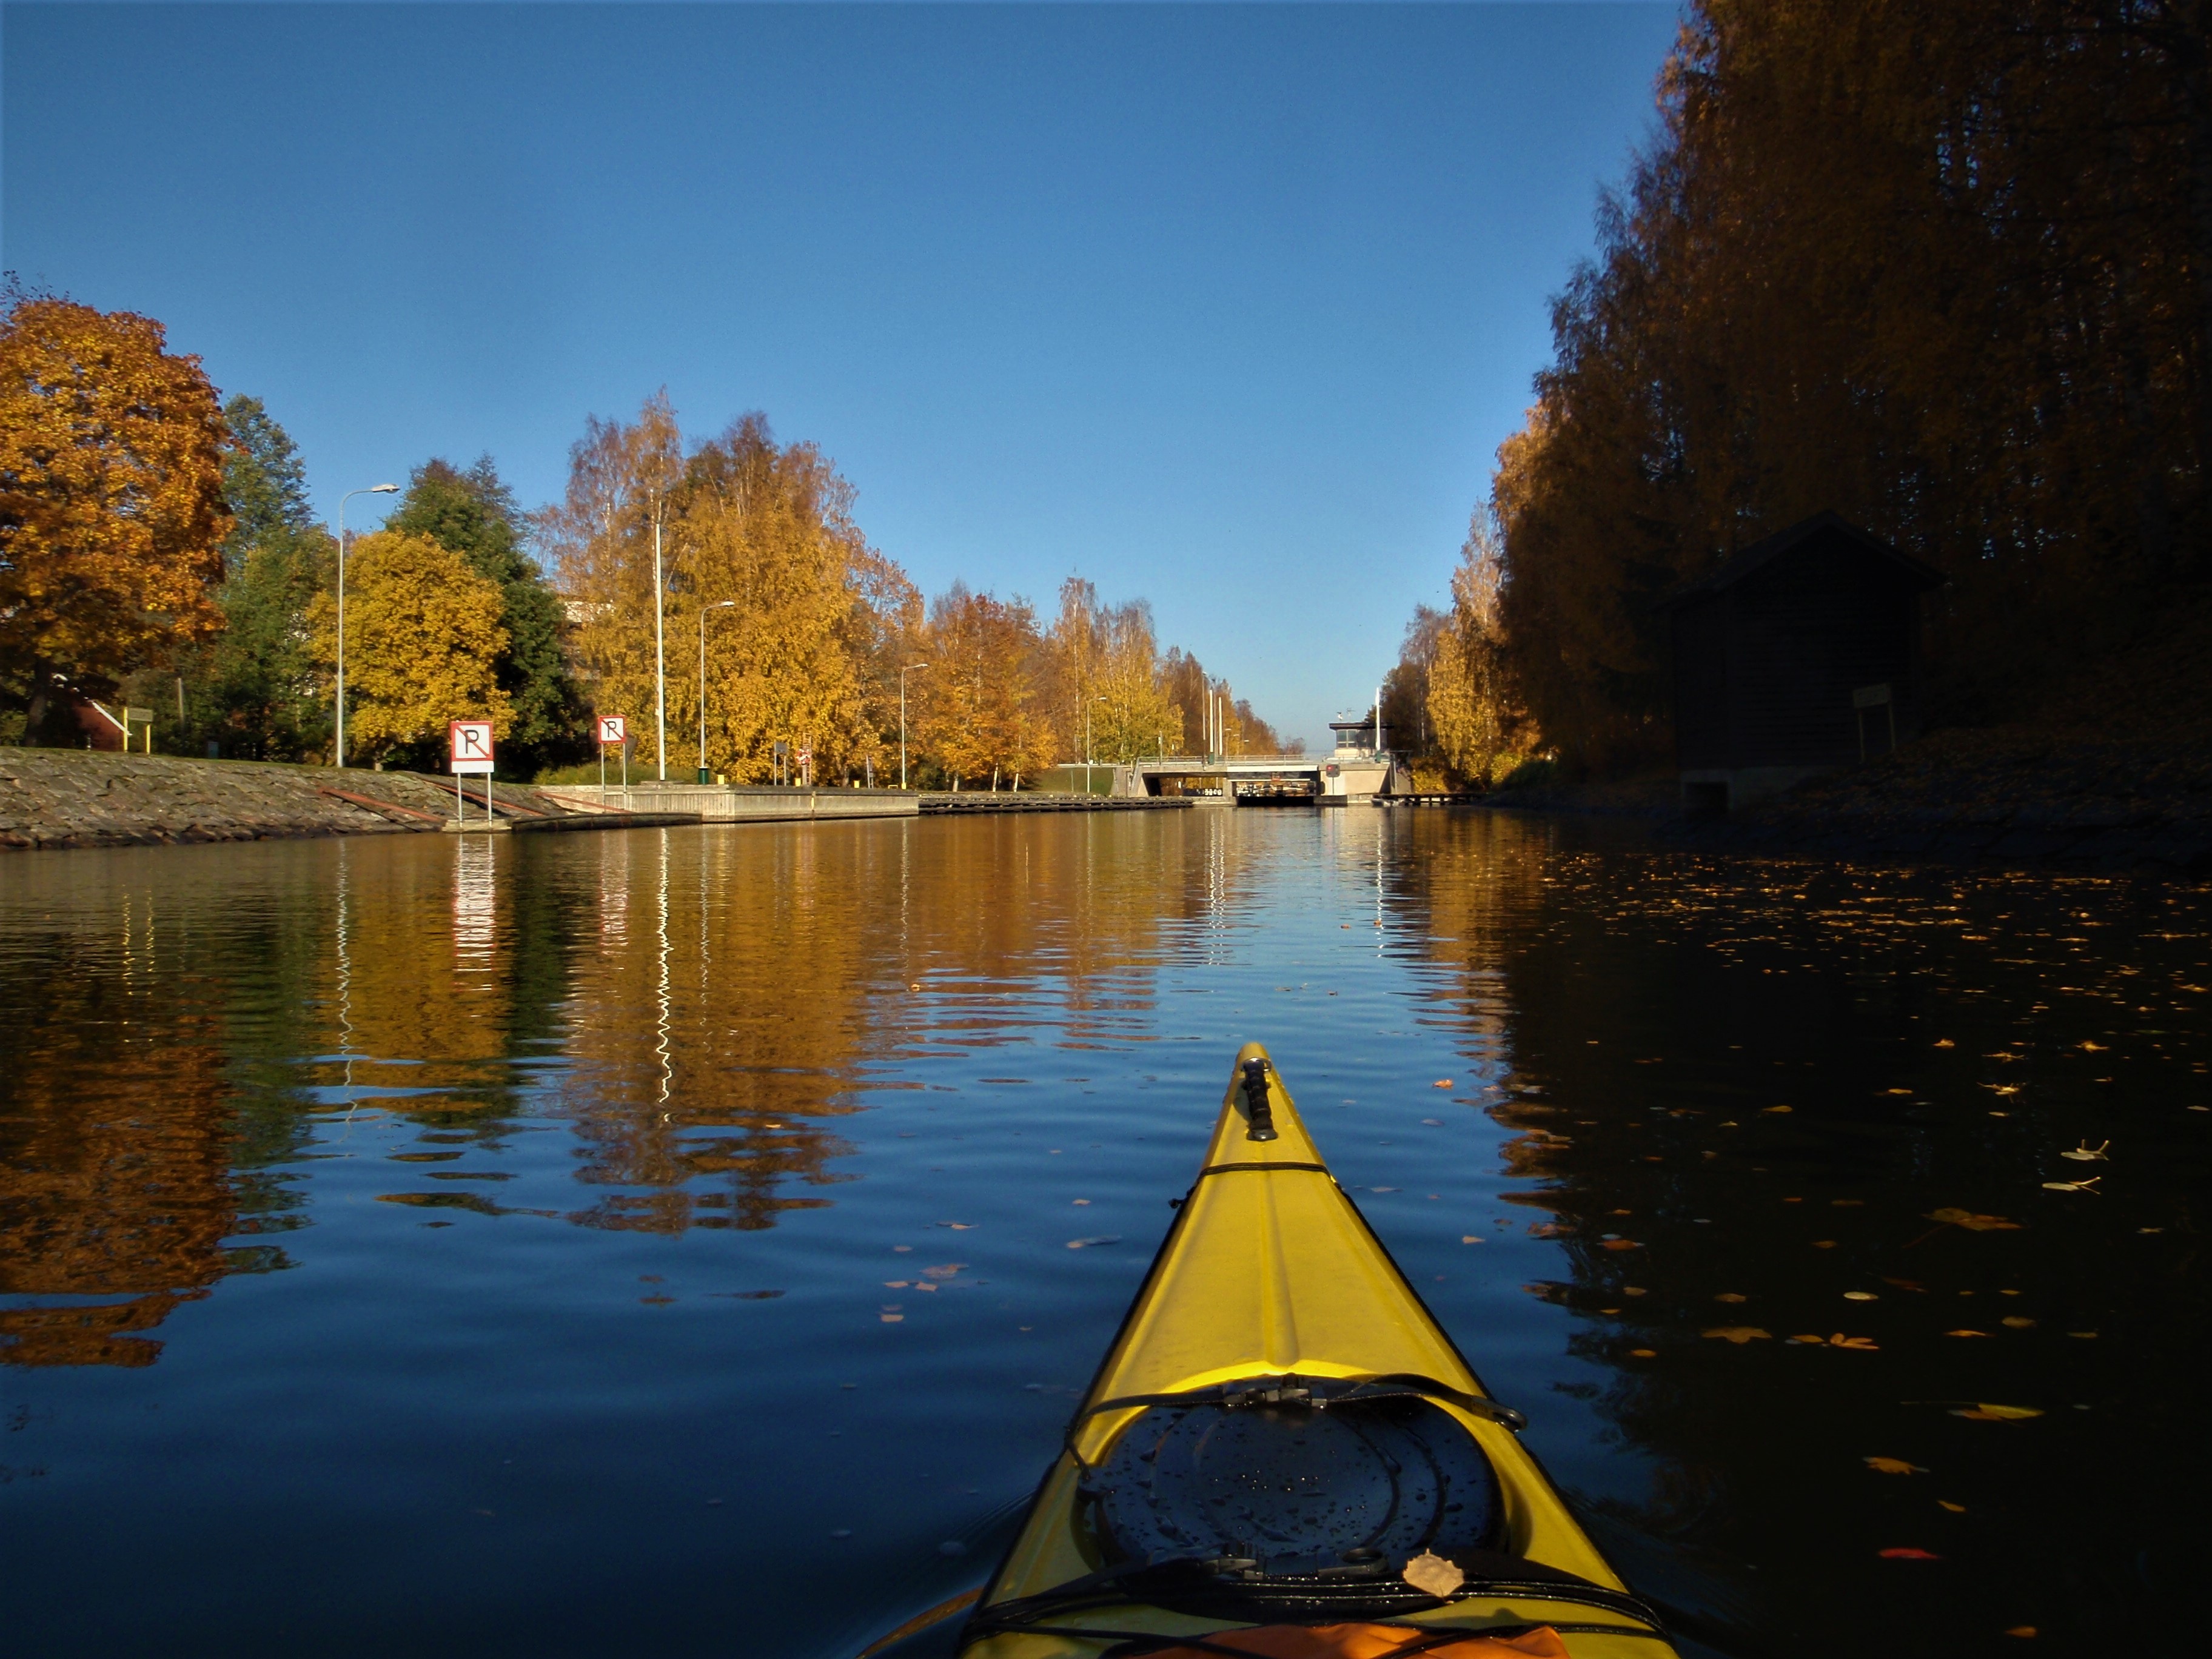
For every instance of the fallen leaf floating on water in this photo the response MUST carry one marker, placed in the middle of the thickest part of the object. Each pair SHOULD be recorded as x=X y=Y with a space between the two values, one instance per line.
x=1965 y=1332
x=945 y=1272
x=1444 y=1083
x=2088 y=1186
x=1973 y=1224
x=2002 y=1088
x=2093 y=1047
x=1946 y=1503
x=1470 y=1239
x=1945 y=1043
x=1740 y=1334
x=1620 y=1244
x=2085 y=1154
x=1730 y=1295
x=1432 y=1575
x=1771 y=1109
x=1811 y=1341
x=1859 y=1343
x=1085 y=1243
x=1643 y=1353
x=1893 y=1465
x=1988 y=1413
x=2019 y=1322
x=1824 y=1243
x=1908 y=1553
x=2024 y=1631
x=1860 y=1296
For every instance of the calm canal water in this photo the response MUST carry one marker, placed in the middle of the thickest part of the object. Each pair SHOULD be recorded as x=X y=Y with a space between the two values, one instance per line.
x=695 y=1241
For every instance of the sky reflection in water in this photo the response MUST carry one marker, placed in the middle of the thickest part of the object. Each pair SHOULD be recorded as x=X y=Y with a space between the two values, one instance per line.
x=694 y=1240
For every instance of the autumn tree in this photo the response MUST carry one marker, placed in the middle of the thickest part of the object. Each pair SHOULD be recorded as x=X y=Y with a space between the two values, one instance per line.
x=770 y=529
x=1946 y=269
x=980 y=709
x=422 y=637
x=111 y=509
x=1100 y=678
x=1468 y=708
x=474 y=513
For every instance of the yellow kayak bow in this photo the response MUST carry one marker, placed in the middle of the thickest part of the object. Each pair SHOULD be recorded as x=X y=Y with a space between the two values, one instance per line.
x=1280 y=1434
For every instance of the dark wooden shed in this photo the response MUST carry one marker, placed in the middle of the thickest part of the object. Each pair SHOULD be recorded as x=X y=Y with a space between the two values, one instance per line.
x=1799 y=655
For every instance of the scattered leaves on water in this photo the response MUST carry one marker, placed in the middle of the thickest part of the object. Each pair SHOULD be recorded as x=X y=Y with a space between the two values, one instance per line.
x=2085 y=1154
x=891 y=1319
x=2088 y=1186
x=1945 y=1043
x=1907 y=1552
x=1730 y=1295
x=1989 y=1413
x=1860 y=1296
x=1740 y=1334
x=1972 y=1222
x=1860 y=1344
x=1470 y=1239
x=1965 y=1332
x=1620 y=1244
x=2020 y=1322
x=1432 y=1575
x=945 y=1272
x=1894 y=1466
x=1634 y=1290
x=1946 y=1503
x=1643 y=1353
x=1811 y=1341
x=1086 y=1244
x=1770 y=1110
x=1445 y=1083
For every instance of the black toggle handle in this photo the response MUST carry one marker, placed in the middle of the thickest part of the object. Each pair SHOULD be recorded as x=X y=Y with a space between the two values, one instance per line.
x=1260 y=1115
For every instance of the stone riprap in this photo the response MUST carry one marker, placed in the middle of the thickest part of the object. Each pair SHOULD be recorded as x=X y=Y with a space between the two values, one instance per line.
x=61 y=798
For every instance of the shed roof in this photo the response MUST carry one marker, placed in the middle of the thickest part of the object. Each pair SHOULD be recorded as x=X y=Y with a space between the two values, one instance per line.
x=1761 y=554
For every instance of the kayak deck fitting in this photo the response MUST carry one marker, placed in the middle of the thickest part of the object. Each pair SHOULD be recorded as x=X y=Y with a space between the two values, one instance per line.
x=1280 y=1434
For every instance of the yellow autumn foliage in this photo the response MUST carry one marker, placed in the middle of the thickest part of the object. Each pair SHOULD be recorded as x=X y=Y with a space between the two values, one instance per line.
x=422 y=634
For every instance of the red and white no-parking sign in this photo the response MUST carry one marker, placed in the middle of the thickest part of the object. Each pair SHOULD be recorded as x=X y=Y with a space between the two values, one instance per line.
x=470 y=741
x=613 y=729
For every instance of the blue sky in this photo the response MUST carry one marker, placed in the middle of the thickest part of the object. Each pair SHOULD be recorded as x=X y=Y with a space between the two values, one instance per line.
x=1227 y=306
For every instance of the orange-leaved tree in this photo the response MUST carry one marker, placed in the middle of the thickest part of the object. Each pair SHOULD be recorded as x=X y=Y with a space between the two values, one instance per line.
x=422 y=645
x=111 y=507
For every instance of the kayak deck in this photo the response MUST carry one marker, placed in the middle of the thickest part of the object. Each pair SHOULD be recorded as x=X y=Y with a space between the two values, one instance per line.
x=1270 y=1272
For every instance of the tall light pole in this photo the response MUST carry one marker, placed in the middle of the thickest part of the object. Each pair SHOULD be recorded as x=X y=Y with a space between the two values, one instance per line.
x=373 y=489
x=659 y=664
x=719 y=604
x=910 y=668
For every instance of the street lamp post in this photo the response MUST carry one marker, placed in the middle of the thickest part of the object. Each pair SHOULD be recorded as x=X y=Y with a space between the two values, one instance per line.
x=719 y=604
x=910 y=668
x=660 y=663
x=372 y=490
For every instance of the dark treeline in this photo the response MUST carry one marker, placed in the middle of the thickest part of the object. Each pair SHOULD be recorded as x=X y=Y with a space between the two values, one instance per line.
x=1944 y=268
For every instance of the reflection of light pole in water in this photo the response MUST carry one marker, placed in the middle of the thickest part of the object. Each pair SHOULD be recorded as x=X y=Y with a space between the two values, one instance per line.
x=345 y=986
x=667 y=1066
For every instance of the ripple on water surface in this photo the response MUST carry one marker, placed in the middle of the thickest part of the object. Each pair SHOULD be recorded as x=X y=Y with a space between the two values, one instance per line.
x=608 y=1243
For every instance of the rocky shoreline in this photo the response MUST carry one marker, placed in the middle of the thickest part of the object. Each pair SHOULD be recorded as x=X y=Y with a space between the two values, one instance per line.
x=65 y=798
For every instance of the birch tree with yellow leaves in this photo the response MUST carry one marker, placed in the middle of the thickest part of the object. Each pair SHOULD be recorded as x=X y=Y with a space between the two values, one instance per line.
x=422 y=635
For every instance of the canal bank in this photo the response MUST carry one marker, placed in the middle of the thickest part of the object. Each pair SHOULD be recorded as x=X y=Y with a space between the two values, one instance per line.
x=53 y=799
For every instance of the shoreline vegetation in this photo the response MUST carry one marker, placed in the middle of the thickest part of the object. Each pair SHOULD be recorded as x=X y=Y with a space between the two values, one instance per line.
x=1948 y=272
x=158 y=551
